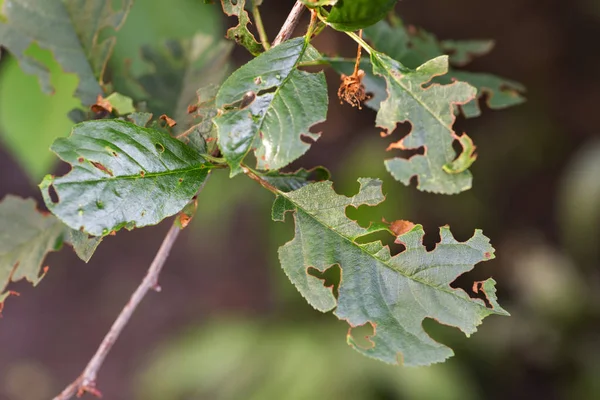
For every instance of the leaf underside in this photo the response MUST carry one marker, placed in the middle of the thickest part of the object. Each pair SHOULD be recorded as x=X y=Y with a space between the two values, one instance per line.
x=430 y=110
x=122 y=175
x=240 y=33
x=392 y=293
x=26 y=236
x=268 y=104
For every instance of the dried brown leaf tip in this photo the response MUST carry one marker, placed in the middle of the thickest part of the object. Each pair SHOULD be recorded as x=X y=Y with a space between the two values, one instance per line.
x=101 y=105
x=170 y=121
x=352 y=90
x=400 y=227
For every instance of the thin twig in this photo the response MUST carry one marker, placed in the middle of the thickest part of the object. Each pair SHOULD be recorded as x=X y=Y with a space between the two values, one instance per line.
x=262 y=34
x=290 y=23
x=87 y=380
x=358 y=54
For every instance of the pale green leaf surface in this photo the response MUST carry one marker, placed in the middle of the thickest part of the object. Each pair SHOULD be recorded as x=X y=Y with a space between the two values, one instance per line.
x=240 y=33
x=289 y=181
x=431 y=114
x=393 y=293
x=26 y=235
x=352 y=15
x=412 y=48
x=268 y=104
x=83 y=244
x=122 y=175
x=121 y=103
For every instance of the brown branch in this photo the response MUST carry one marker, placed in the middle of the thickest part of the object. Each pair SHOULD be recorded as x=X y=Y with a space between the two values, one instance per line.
x=290 y=23
x=86 y=383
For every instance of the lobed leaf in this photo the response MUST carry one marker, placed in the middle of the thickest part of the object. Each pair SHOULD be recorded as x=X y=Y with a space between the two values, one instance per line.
x=123 y=175
x=26 y=236
x=69 y=29
x=240 y=33
x=352 y=15
x=268 y=104
x=392 y=293
x=431 y=113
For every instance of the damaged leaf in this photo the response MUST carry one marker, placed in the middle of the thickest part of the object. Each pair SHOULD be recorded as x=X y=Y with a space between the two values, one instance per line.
x=26 y=236
x=289 y=181
x=240 y=33
x=72 y=38
x=268 y=104
x=394 y=294
x=122 y=175
x=431 y=114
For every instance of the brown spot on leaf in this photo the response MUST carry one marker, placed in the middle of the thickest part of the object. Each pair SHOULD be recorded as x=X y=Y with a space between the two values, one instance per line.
x=192 y=108
x=102 y=168
x=400 y=227
x=80 y=159
x=142 y=173
x=488 y=254
x=170 y=121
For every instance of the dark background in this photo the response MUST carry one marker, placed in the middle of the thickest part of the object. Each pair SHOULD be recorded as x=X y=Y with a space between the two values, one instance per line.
x=228 y=324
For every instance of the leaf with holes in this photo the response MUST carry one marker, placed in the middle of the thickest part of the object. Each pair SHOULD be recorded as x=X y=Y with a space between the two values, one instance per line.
x=413 y=47
x=352 y=15
x=69 y=29
x=431 y=113
x=392 y=293
x=268 y=104
x=26 y=236
x=288 y=181
x=123 y=175
x=240 y=33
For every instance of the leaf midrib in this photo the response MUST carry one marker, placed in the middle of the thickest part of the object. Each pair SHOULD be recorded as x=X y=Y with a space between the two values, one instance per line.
x=138 y=176
x=410 y=277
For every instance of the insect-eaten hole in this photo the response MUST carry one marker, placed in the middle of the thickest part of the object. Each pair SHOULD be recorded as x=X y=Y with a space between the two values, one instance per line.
x=385 y=239
x=364 y=214
x=247 y=99
x=53 y=195
x=472 y=283
x=102 y=168
x=331 y=277
x=159 y=147
x=431 y=239
x=361 y=335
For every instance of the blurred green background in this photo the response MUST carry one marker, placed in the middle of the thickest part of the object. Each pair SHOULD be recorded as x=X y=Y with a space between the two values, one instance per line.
x=229 y=325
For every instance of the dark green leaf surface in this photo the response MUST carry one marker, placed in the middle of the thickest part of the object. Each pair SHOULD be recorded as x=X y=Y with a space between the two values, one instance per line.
x=352 y=15
x=288 y=181
x=431 y=114
x=268 y=104
x=122 y=175
x=69 y=30
x=392 y=293
x=240 y=33
x=26 y=235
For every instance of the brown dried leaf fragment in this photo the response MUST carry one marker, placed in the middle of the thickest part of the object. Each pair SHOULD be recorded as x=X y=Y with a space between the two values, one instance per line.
x=101 y=105
x=170 y=121
x=352 y=90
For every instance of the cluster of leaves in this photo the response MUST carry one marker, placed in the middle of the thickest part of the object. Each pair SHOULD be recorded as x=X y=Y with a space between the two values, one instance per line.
x=129 y=169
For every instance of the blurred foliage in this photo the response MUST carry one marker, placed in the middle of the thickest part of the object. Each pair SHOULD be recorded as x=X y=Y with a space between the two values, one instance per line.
x=239 y=358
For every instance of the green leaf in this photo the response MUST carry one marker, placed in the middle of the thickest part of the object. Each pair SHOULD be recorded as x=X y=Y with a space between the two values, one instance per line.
x=414 y=47
x=431 y=113
x=466 y=158
x=83 y=244
x=26 y=235
x=121 y=103
x=69 y=29
x=268 y=104
x=89 y=18
x=240 y=33
x=177 y=69
x=286 y=182
x=318 y=3
x=352 y=15
x=122 y=175
x=392 y=293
